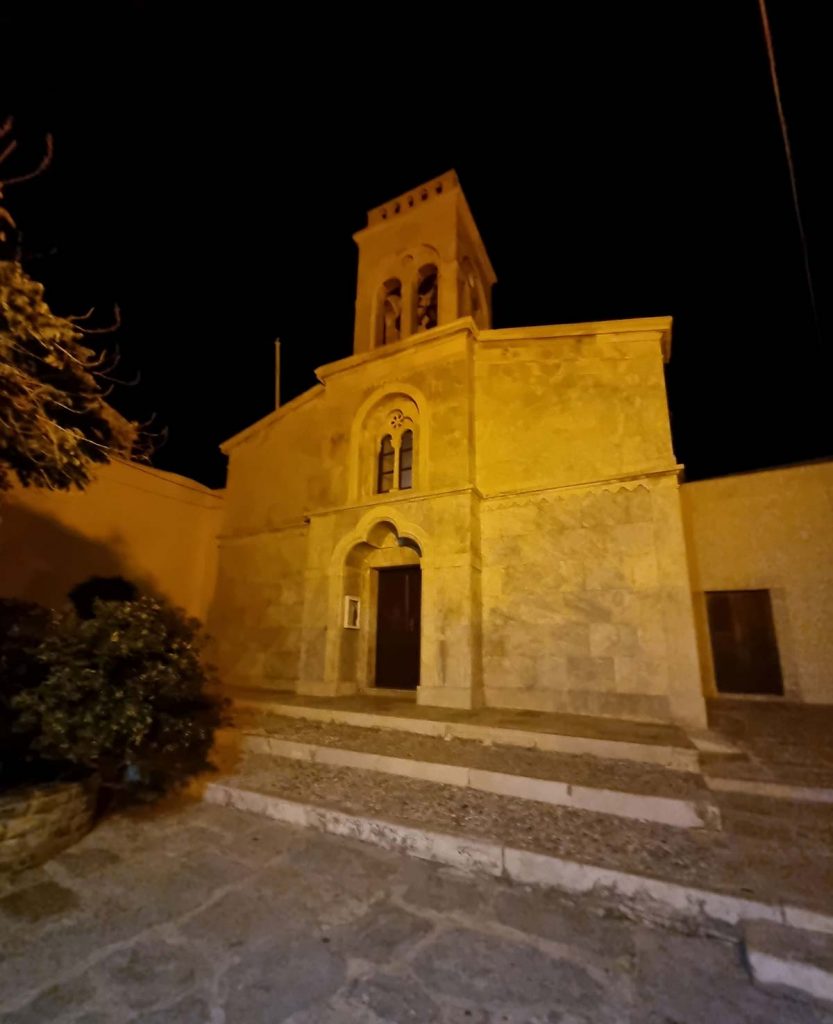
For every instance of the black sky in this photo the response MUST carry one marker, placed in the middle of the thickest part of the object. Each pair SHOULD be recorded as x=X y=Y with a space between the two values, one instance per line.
x=621 y=160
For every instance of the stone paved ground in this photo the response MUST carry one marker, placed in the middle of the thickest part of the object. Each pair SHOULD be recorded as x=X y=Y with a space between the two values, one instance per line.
x=204 y=914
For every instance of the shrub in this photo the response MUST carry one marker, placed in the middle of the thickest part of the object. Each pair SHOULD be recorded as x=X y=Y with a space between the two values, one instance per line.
x=23 y=625
x=124 y=694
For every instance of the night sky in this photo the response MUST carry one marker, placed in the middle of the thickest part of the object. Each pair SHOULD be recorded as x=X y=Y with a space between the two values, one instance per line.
x=620 y=160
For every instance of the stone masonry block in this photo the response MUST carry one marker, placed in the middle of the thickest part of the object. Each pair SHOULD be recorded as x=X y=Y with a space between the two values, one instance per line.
x=591 y=672
x=613 y=639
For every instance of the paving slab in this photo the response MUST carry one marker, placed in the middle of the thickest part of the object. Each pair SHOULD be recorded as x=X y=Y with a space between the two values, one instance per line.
x=342 y=933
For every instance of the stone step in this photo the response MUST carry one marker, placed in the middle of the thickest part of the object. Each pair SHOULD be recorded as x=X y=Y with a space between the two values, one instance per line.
x=770 y=783
x=783 y=957
x=768 y=818
x=772 y=790
x=697 y=873
x=623 y=789
x=645 y=743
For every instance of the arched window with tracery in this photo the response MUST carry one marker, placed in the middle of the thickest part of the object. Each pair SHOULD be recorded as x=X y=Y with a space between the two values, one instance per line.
x=386 y=472
x=395 y=453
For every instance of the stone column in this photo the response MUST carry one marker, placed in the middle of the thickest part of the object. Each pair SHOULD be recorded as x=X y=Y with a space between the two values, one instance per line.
x=685 y=686
x=451 y=659
x=448 y=306
x=320 y=634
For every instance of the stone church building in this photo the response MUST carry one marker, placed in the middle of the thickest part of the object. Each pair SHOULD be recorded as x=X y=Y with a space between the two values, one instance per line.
x=467 y=516
x=485 y=516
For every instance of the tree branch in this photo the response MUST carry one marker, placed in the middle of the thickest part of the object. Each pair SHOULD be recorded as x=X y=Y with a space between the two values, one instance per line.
x=45 y=162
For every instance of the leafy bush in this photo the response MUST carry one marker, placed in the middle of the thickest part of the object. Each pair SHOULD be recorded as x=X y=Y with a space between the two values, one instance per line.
x=124 y=694
x=23 y=625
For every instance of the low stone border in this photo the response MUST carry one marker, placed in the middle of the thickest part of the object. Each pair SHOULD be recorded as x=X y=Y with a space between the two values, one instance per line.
x=774 y=790
x=36 y=822
x=677 y=758
x=649 y=896
x=642 y=807
x=781 y=956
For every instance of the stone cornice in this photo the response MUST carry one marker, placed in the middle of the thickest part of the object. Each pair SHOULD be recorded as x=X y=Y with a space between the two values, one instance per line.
x=302 y=521
x=636 y=329
x=425 y=339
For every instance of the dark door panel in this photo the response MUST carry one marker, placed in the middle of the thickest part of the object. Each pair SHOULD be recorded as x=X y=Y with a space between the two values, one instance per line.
x=743 y=642
x=398 y=627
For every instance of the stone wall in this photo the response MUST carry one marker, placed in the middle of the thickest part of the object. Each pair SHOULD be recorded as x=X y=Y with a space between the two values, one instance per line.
x=302 y=480
x=581 y=588
x=256 y=616
x=311 y=454
x=771 y=530
x=557 y=406
x=585 y=593
x=36 y=822
x=543 y=458
x=351 y=541
x=157 y=529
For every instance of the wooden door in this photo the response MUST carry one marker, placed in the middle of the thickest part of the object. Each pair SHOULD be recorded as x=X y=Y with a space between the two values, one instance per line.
x=398 y=627
x=743 y=642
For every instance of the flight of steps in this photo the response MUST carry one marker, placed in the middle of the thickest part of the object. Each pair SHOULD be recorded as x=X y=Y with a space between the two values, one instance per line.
x=654 y=839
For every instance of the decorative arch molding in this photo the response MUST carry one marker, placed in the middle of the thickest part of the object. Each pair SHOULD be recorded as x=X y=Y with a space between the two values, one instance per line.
x=370 y=540
x=364 y=530
x=363 y=446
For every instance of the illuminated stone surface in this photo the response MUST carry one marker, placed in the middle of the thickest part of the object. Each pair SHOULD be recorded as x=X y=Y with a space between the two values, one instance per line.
x=275 y=924
x=543 y=508
x=770 y=530
x=158 y=529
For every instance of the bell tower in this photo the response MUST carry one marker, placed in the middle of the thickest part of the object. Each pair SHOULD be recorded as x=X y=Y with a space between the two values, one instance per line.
x=422 y=264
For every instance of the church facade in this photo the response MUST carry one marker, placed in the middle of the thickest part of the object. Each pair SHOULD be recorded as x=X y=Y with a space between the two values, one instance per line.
x=483 y=516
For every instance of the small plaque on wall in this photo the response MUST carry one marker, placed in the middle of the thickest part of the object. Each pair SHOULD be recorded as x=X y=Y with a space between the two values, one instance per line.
x=352 y=606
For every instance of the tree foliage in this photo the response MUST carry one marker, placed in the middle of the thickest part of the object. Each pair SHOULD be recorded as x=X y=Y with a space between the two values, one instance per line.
x=124 y=694
x=55 y=423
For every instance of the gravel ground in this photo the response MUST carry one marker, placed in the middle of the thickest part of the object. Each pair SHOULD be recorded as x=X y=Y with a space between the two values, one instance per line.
x=580 y=770
x=764 y=867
